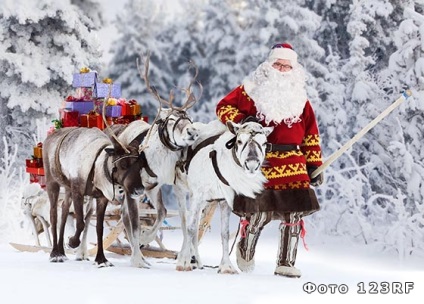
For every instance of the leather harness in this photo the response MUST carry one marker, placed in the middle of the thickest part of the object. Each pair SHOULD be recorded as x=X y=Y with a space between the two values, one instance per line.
x=281 y=148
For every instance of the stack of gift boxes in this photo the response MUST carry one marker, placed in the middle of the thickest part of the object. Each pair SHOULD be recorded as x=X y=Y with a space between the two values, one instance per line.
x=84 y=109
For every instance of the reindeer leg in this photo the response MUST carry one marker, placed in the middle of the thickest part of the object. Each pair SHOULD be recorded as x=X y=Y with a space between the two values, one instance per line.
x=34 y=229
x=53 y=193
x=190 y=243
x=100 y=259
x=225 y=267
x=155 y=196
x=78 y=200
x=180 y=194
x=132 y=226
x=46 y=230
x=82 y=252
x=64 y=216
x=200 y=204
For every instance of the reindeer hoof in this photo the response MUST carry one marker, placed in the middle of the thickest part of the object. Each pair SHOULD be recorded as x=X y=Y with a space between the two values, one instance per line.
x=104 y=264
x=79 y=259
x=73 y=242
x=58 y=258
x=227 y=270
x=184 y=268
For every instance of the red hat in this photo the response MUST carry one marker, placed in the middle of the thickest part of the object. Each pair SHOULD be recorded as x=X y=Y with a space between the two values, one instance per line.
x=282 y=51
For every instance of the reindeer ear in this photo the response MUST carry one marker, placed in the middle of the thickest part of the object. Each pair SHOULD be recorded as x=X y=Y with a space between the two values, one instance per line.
x=232 y=126
x=268 y=130
x=110 y=151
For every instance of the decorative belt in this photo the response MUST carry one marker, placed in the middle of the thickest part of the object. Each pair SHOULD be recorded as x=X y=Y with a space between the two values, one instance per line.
x=281 y=148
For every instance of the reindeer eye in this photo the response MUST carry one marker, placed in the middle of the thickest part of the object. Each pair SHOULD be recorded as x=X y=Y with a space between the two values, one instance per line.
x=239 y=142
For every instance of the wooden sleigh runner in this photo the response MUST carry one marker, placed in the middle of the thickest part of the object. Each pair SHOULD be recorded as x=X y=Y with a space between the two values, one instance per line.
x=112 y=242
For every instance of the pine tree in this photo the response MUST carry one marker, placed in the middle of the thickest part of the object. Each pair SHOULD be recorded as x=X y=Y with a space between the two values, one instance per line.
x=294 y=22
x=139 y=26
x=406 y=69
x=42 y=44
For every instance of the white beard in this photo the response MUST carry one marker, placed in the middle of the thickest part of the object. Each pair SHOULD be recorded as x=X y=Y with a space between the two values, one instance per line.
x=279 y=97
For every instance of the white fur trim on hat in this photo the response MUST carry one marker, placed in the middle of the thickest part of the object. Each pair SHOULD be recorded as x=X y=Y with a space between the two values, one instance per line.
x=282 y=53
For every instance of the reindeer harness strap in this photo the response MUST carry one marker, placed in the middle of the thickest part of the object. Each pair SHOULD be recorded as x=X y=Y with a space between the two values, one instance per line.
x=165 y=136
x=212 y=155
x=142 y=157
x=192 y=152
x=231 y=144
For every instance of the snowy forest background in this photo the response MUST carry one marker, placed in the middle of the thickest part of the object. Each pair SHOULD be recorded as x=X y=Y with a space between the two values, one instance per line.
x=359 y=55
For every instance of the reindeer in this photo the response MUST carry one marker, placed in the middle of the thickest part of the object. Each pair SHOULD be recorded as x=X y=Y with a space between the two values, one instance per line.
x=224 y=162
x=160 y=146
x=36 y=208
x=84 y=161
x=34 y=204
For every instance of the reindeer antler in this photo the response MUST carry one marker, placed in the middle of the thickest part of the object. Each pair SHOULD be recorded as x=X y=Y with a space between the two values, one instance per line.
x=151 y=89
x=191 y=98
x=111 y=133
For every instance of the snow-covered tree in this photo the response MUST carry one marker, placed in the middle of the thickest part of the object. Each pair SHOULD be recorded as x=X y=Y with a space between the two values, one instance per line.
x=294 y=22
x=139 y=27
x=42 y=43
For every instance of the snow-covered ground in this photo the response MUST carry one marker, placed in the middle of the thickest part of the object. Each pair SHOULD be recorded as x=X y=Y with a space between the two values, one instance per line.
x=30 y=278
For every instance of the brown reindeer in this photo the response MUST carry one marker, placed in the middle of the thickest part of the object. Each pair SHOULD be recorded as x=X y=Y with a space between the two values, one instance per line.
x=84 y=161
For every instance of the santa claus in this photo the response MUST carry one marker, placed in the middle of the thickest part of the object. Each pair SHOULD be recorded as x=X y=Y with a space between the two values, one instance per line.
x=275 y=95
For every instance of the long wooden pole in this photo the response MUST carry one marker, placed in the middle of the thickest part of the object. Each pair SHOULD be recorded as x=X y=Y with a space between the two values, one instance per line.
x=361 y=133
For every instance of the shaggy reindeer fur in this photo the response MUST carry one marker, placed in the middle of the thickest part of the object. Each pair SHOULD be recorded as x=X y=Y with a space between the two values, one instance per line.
x=82 y=161
x=205 y=186
x=160 y=159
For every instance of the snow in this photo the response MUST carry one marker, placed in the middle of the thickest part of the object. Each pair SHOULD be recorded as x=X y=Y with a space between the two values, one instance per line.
x=26 y=277
x=391 y=226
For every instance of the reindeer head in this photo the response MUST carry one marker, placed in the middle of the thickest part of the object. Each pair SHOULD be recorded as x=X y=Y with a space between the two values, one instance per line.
x=249 y=144
x=126 y=168
x=175 y=128
x=30 y=194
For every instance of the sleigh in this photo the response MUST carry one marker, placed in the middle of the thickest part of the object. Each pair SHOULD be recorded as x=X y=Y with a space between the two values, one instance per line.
x=115 y=240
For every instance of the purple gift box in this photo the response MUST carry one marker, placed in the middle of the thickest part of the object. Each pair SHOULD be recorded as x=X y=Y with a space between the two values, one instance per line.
x=102 y=90
x=83 y=107
x=113 y=111
x=84 y=80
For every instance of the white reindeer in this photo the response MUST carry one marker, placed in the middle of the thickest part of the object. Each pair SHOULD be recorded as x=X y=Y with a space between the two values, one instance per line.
x=160 y=146
x=36 y=208
x=217 y=172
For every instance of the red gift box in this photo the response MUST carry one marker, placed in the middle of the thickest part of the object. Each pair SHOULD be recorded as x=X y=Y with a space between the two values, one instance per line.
x=131 y=118
x=38 y=150
x=92 y=120
x=36 y=178
x=131 y=107
x=69 y=118
x=38 y=171
x=34 y=163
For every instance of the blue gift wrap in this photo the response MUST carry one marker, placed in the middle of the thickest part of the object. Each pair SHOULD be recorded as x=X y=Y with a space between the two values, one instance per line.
x=113 y=111
x=84 y=80
x=102 y=90
x=83 y=107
